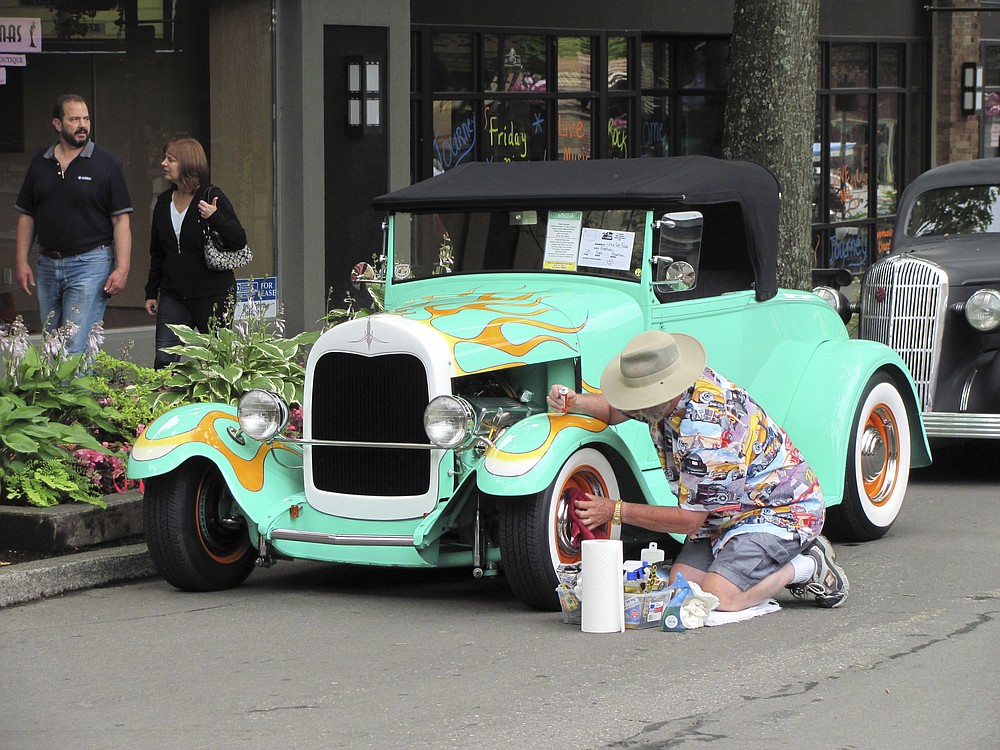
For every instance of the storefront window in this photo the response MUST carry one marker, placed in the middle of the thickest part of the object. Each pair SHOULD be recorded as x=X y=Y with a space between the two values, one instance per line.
x=703 y=64
x=890 y=71
x=144 y=80
x=514 y=63
x=451 y=62
x=456 y=128
x=887 y=154
x=575 y=129
x=701 y=125
x=514 y=130
x=619 y=116
x=849 y=154
x=991 y=101
x=656 y=64
x=574 y=63
x=619 y=77
x=655 y=126
x=850 y=66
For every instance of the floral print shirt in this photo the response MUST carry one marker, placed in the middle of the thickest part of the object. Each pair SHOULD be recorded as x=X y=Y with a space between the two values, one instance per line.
x=722 y=454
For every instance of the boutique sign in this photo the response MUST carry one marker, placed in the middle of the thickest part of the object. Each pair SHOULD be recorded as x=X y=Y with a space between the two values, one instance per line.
x=20 y=35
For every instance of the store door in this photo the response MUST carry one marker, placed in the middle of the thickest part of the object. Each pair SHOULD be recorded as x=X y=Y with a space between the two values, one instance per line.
x=355 y=69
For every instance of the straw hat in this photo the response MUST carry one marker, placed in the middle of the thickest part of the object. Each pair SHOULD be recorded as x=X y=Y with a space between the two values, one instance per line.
x=652 y=369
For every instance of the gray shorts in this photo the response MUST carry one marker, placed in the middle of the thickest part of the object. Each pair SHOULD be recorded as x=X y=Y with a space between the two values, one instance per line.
x=745 y=560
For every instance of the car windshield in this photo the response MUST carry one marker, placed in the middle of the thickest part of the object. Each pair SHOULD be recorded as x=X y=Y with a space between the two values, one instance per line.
x=970 y=209
x=605 y=243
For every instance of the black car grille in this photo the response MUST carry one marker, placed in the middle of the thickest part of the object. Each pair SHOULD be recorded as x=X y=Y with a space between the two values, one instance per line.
x=369 y=400
x=903 y=306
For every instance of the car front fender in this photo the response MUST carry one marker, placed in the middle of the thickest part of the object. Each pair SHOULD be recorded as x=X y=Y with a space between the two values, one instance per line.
x=253 y=471
x=529 y=455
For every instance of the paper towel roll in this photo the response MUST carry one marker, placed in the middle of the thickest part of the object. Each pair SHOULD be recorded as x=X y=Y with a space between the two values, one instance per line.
x=603 y=600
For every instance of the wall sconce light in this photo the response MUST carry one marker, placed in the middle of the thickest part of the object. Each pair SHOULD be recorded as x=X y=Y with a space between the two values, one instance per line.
x=364 y=94
x=972 y=96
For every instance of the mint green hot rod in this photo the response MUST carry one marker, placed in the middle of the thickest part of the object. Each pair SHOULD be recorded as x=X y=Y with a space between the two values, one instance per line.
x=426 y=440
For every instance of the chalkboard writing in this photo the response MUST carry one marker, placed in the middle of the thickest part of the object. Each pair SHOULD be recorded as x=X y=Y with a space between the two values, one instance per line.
x=617 y=134
x=849 y=251
x=449 y=152
x=505 y=135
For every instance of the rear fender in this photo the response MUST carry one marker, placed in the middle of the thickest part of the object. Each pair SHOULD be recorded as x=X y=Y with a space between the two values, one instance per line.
x=258 y=474
x=843 y=369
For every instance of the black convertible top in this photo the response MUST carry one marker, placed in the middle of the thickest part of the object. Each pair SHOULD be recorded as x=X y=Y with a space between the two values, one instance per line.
x=651 y=183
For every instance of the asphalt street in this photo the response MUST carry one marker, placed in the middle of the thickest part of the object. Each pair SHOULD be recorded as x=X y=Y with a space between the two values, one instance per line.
x=312 y=656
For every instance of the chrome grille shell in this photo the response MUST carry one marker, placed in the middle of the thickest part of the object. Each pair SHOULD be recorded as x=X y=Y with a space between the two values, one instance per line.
x=904 y=302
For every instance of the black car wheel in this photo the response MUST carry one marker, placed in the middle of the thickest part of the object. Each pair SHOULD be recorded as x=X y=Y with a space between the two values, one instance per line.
x=878 y=465
x=534 y=531
x=196 y=539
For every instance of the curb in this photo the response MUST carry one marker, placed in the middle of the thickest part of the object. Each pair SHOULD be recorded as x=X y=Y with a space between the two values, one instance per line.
x=27 y=582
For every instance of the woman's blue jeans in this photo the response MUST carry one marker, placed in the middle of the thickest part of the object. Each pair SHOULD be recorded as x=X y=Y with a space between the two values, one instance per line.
x=72 y=289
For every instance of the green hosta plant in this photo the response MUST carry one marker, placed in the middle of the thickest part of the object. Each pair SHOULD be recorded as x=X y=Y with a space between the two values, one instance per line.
x=237 y=356
x=47 y=406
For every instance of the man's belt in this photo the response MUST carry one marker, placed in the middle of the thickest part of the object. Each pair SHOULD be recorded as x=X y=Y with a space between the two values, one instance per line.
x=60 y=254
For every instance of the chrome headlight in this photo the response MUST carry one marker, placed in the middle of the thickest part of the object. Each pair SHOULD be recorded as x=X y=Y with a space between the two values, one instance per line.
x=262 y=414
x=983 y=310
x=835 y=299
x=449 y=421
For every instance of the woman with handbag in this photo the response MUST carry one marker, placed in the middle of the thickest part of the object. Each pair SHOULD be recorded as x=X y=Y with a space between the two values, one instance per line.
x=182 y=289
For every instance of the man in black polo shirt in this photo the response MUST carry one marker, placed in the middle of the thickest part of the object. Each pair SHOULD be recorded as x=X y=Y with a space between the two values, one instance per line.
x=75 y=200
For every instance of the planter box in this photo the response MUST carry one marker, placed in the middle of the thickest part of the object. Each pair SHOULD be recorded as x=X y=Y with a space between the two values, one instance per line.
x=66 y=528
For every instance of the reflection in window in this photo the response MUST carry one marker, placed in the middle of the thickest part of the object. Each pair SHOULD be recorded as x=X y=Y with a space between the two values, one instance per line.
x=850 y=66
x=656 y=64
x=890 y=71
x=574 y=63
x=701 y=125
x=618 y=72
x=451 y=62
x=849 y=155
x=514 y=63
x=703 y=64
x=972 y=209
x=887 y=154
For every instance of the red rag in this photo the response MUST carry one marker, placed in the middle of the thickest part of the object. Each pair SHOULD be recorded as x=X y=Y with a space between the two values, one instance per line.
x=578 y=531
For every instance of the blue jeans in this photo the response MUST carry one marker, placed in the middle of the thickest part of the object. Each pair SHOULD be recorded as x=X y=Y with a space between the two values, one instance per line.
x=72 y=289
x=193 y=313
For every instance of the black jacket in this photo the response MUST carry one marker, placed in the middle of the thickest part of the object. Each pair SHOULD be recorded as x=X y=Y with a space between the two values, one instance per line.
x=181 y=272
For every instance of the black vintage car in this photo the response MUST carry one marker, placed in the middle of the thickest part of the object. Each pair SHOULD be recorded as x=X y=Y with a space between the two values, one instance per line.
x=935 y=298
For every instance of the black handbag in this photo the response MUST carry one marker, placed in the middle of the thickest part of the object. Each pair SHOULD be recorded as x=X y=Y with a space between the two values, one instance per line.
x=218 y=257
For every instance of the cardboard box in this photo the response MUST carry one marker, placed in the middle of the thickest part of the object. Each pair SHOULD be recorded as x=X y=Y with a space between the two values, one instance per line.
x=645 y=610
x=570 y=606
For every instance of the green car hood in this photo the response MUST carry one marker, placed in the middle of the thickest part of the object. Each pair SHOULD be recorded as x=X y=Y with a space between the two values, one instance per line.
x=498 y=327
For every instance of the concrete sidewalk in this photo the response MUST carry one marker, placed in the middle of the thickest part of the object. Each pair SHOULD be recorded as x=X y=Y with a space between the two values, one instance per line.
x=30 y=581
x=59 y=531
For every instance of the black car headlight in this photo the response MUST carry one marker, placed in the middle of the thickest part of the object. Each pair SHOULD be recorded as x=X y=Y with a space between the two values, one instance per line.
x=982 y=310
x=262 y=414
x=449 y=422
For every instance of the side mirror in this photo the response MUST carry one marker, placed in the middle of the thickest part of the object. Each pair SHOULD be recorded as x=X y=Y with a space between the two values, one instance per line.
x=675 y=262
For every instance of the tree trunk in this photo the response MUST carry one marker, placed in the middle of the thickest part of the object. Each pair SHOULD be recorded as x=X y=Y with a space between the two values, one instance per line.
x=771 y=111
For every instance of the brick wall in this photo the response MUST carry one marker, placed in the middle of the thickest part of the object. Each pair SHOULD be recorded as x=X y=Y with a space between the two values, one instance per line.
x=956 y=40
